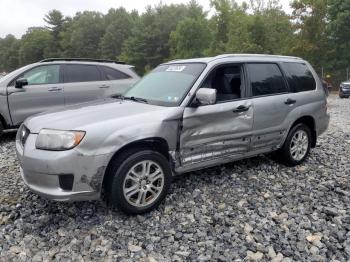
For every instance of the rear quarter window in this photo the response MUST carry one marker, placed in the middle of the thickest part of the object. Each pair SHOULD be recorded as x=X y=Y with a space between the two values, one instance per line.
x=113 y=74
x=299 y=77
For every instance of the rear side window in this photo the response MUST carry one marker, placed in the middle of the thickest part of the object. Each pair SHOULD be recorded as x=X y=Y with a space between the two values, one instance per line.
x=81 y=73
x=113 y=74
x=300 y=78
x=266 y=79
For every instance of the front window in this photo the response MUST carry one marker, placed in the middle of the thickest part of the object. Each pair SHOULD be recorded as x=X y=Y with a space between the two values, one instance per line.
x=48 y=74
x=167 y=84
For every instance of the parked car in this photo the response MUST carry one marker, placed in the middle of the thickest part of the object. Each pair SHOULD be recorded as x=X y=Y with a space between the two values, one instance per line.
x=56 y=83
x=185 y=115
x=344 y=89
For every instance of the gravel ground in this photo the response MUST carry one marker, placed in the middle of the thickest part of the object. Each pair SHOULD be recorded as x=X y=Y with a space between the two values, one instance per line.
x=249 y=210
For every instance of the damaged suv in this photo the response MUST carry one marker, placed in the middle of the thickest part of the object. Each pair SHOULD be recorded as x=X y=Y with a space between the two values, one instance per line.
x=185 y=115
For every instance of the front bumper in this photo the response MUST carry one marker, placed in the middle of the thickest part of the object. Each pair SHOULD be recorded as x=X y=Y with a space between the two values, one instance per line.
x=344 y=92
x=41 y=171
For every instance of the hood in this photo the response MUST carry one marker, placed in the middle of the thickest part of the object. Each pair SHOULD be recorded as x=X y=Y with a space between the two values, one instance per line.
x=346 y=82
x=100 y=112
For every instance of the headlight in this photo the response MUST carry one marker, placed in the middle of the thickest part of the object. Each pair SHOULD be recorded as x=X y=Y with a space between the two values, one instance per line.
x=49 y=139
x=23 y=134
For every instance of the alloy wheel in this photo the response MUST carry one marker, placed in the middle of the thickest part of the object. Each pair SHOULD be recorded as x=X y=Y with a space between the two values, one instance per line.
x=143 y=183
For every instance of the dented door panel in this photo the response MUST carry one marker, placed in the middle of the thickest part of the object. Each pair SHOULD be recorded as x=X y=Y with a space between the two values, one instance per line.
x=215 y=131
x=270 y=121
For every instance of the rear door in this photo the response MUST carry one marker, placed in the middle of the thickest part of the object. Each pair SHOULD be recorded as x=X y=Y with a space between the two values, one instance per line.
x=82 y=83
x=116 y=81
x=272 y=102
x=43 y=92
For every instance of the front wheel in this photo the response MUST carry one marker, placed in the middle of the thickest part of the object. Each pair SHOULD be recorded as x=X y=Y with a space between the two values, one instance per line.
x=297 y=145
x=139 y=182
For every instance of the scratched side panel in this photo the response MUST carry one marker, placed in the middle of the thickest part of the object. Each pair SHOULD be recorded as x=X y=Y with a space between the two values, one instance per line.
x=214 y=132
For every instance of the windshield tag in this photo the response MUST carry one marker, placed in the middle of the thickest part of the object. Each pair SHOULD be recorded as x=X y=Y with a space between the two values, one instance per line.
x=175 y=68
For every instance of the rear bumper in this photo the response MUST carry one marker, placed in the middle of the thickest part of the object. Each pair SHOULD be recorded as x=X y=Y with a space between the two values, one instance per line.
x=41 y=171
x=323 y=124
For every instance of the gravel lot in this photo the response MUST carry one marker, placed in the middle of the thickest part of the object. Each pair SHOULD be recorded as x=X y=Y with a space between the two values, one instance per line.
x=249 y=210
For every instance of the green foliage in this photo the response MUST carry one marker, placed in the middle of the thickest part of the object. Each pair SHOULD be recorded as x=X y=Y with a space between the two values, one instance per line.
x=119 y=24
x=311 y=39
x=339 y=31
x=149 y=44
x=83 y=34
x=9 y=47
x=33 y=45
x=55 y=21
x=318 y=31
x=190 y=39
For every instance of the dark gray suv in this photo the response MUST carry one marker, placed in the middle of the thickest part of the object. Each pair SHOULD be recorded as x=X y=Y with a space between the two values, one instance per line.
x=56 y=83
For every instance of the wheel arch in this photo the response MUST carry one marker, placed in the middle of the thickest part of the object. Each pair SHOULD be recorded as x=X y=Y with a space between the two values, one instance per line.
x=158 y=144
x=310 y=122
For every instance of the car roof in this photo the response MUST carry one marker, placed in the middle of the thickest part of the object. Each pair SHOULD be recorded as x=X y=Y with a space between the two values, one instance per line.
x=86 y=61
x=238 y=57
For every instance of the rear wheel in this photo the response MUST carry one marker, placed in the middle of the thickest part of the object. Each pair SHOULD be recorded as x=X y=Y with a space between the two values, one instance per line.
x=297 y=145
x=139 y=182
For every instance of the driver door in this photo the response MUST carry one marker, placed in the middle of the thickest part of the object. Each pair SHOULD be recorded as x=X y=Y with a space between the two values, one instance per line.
x=43 y=92
x=221 y=132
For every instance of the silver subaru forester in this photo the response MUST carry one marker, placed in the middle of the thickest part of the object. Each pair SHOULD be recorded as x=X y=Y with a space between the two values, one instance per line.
x=185 y=115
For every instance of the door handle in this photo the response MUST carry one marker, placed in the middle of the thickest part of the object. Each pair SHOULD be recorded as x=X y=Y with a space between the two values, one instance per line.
x=55 y=89
x=104 y=86
x=290 y=101
x=240 y=108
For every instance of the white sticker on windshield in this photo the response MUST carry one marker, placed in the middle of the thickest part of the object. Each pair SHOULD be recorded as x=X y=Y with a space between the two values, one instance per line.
x=175 y=68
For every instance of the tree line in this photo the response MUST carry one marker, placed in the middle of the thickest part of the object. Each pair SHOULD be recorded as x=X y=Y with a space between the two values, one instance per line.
x=317 y=30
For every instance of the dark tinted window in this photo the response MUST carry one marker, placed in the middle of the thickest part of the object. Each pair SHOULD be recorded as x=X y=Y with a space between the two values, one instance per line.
x=300 y=78
x=113 y=74
x=266 y=79
x=81 y=73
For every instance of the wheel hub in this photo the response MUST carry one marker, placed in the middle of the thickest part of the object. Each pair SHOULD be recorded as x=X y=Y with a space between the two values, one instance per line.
x=143 y=183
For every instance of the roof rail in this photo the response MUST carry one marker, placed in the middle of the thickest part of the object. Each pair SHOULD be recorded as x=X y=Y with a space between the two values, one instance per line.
x=257 y=55
x=81 y=60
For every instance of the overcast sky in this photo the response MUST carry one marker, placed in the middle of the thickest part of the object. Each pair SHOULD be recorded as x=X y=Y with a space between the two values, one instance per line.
x=17 y=15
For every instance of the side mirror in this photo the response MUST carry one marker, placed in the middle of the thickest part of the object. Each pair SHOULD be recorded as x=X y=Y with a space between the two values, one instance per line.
x=206 y=96
x=21 y=82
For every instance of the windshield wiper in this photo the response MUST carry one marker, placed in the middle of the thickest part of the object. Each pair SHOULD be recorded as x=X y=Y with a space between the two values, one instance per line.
x=132 y=98
x=136 y=99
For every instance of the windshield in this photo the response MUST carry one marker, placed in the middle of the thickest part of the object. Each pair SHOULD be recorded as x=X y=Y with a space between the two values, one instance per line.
x=13 y=73
x=167 y=84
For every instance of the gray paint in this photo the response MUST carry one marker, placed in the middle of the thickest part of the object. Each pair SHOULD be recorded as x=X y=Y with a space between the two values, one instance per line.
x=18 y=104
x=197 y=137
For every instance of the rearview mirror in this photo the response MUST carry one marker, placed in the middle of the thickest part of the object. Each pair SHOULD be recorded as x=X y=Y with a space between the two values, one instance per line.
x=206 y=96
x=21 y=82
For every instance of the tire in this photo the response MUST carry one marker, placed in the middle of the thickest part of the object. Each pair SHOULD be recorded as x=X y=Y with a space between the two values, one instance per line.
x=1 y=130
x=298 y=134
x=131 y=188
